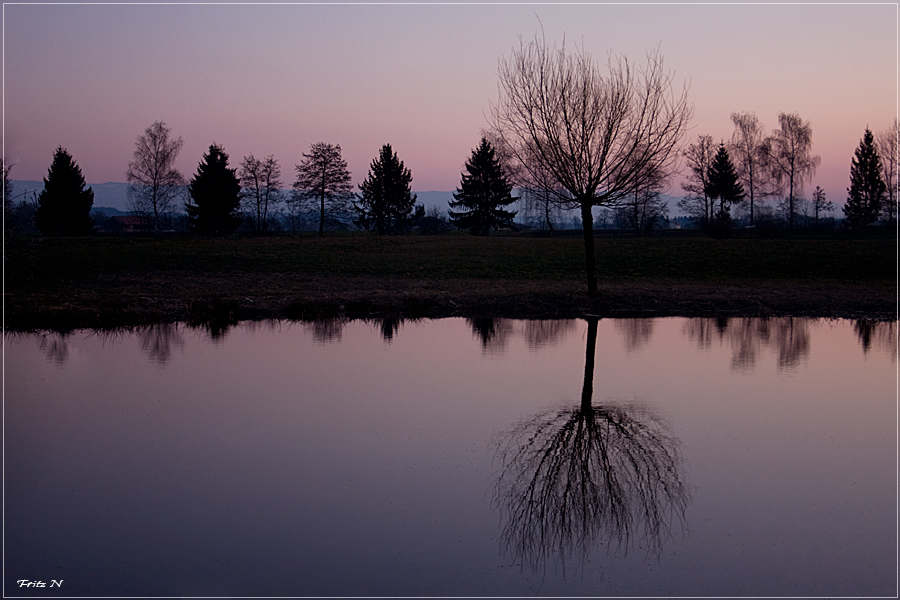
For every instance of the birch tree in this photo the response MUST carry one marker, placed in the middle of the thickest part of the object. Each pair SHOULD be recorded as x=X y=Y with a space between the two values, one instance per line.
x=154 y=184
x=747 y=149
x=886 y=142
x=789 y=154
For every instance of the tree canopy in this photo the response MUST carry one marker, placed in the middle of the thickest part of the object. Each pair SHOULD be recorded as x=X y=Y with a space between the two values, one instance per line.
x=483 y=193
x=64 y=206
x=216 y=192
x=386 y=203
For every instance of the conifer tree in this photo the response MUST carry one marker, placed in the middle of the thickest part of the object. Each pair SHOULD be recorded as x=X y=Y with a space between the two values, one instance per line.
x=216 y=192
x=724 y=184
x=483 y=193
x=64 y=206
x=386 y=203
x=867 y=188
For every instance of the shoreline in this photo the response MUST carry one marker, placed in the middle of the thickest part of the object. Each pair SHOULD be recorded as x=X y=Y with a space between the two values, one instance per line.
x=104 y=283
x=258 y=297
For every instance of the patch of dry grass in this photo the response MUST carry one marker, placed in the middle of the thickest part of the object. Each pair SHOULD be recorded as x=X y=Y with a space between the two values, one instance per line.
x=97 y=282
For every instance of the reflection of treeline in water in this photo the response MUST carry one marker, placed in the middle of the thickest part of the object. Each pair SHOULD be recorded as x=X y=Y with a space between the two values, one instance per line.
x=788 y=337
x=748 y=337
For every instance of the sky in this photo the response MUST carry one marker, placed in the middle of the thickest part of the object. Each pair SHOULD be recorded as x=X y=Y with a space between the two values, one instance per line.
x=276 y=78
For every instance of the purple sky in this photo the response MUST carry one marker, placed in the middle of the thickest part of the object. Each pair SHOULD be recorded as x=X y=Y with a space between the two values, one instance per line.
x=273 y=79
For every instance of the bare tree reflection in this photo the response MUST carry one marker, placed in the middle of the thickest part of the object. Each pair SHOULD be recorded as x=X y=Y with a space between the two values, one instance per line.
x=789 y=336
x=388 y=327
x=493 y=333
x=327 y=330
x=747 y=337
x=881 y=334
x=157 y=341
x=637 y=332
x=792 y=338
x=540 y=333
x=703 y=331
x=577 y=478
x=55 y=347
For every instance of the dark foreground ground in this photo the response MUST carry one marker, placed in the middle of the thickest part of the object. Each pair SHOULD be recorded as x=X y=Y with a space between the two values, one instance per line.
x=67 y=283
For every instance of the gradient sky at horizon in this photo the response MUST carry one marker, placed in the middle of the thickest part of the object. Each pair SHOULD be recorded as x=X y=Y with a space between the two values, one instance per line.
x=273 y=79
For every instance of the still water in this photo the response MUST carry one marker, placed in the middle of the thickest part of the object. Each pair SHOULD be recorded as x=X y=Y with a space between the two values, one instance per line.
x=664 y=457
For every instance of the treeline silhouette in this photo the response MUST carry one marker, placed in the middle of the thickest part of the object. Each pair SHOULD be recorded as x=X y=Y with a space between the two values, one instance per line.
x=220 y=199
x=728 y=185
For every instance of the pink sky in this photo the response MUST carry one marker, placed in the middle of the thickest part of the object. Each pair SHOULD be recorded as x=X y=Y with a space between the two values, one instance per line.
x=273 y=79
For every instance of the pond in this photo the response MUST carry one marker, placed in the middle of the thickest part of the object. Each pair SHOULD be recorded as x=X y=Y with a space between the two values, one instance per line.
x=454 y=457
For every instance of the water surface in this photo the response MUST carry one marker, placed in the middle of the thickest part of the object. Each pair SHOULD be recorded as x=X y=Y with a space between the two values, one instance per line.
x=676 y=457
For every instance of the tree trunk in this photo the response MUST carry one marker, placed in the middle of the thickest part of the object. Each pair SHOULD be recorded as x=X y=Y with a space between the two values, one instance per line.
x=791 y=205
x=587 y=222
x=322 y=215
x=547 y=216
x=587 y=391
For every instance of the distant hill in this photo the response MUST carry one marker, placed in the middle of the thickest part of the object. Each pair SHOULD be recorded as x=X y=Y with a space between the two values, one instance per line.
x=111 y=194
x=109 y=211
x=439 y=199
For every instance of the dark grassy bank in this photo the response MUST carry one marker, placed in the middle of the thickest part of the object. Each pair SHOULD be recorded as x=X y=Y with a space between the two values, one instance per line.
x=107 y=282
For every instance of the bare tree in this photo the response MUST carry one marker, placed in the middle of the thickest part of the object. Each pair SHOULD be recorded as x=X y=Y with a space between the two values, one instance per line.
x=7 y=194
x=888 y=151
x=154 y=184
x=643 y=211
x=586 y=138
x=699 y=203
x=323 y=178
x=644 y=208
x=820 y=205
x=787 y=151
x=748 y=149
x=261 y=180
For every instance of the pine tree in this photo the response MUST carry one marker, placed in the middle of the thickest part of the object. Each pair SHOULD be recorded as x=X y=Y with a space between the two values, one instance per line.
x=386 y=203
x=64 y=206
x=483 y=192
x=724 y=184
x=216 y=192
x=867 y=188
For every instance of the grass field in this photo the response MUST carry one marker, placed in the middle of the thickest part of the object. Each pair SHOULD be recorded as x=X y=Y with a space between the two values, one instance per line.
x=100 y=281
